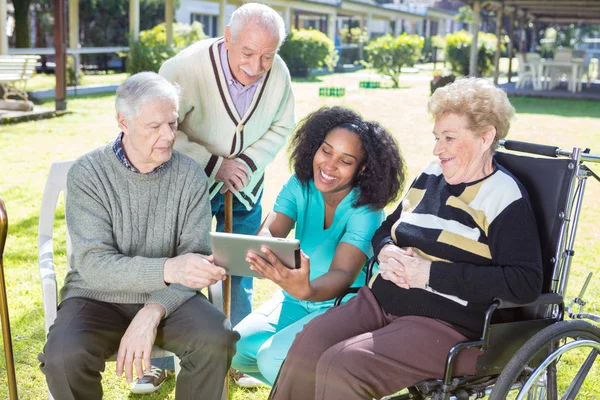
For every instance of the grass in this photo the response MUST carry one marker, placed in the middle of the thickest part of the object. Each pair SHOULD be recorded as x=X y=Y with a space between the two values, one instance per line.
x=43 y=81
x=28 y=149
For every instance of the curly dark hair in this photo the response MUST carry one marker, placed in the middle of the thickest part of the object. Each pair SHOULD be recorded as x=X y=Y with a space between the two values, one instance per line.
x=382 y=179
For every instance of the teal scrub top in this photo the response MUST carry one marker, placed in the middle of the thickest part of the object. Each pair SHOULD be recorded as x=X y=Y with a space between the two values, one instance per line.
x=304 y=204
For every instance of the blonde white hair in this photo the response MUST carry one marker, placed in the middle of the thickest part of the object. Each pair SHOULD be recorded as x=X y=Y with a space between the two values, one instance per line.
x=482 y=103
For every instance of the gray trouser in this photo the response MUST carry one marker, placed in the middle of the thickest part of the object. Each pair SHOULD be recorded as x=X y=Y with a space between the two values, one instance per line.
x=87 y=332
x=357 y=351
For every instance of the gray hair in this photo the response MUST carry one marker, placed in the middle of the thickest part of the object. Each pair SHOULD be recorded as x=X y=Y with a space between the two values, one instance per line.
x=141 y=88
x=260 y=14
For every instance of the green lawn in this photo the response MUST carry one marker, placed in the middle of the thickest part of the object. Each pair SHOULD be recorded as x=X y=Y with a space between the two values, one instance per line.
x=28 y=149
x=48 y=81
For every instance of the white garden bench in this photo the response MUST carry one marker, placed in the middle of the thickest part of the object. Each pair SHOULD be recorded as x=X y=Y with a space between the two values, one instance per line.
x=14 y=73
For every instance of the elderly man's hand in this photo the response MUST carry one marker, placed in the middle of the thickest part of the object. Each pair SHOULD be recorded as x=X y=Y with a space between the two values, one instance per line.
x=193 y=270
x=403 y=267
x=136 y=343
x=233 y=174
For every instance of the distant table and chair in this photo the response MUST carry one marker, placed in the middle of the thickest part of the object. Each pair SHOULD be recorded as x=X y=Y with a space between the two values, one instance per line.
x=546 y=74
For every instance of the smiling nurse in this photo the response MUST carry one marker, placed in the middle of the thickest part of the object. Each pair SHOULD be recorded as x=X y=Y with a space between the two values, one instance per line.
x=346 y=171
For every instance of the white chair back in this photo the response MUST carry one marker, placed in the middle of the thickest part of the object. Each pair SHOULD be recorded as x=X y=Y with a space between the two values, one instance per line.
x=563 y=54
x=533 y=58
x=56 y=183
x=579 y=54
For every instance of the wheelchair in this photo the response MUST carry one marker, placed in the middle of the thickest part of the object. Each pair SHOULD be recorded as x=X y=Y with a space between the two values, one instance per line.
x=524 y=346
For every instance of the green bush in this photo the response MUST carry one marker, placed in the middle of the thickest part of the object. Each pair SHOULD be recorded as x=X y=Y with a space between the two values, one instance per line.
x=306 y=49
x=387 y=54
x=151 y=50
x=458 y=52
x=354 y=36
x=73 y=77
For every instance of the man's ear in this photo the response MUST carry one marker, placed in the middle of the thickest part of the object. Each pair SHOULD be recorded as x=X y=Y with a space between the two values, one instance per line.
x=123 y=123
x=227 y=37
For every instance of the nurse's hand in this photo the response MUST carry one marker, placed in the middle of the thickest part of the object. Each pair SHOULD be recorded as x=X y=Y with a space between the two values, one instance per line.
x=296 y=282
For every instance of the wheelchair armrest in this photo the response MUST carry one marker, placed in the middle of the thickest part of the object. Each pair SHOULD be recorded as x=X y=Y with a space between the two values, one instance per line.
x=544 y=299
x=338 y=300
x=368 y=276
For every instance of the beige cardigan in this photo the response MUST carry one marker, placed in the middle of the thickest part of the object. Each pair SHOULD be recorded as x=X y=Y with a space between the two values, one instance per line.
x=210 y=127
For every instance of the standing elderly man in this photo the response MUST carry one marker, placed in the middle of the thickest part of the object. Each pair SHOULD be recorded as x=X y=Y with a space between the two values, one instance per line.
x=138 y=215
x=237 y=111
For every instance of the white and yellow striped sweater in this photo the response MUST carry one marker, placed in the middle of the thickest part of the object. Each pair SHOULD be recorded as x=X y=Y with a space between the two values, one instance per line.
x=481 y=238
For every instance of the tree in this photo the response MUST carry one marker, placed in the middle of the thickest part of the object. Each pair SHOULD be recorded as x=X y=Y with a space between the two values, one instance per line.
x=101 y=22
x=465 y=15
x=387 y=54
x=22 y=23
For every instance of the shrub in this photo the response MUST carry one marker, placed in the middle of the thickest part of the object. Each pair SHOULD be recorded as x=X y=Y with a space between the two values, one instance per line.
x=354 y=36
x=387 y=54
x=73 y=77
x=458 y=52
x=436 y=42
x=306 y=49
x=151 y=50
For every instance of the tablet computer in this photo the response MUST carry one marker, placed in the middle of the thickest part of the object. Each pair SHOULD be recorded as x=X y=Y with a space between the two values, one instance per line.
x=230 y=251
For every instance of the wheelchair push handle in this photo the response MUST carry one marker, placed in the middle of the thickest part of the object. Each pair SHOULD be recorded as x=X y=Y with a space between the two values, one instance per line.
x=532 y=148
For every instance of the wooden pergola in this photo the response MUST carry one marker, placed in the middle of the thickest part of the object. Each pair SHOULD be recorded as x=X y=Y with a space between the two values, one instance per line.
x=560 y=12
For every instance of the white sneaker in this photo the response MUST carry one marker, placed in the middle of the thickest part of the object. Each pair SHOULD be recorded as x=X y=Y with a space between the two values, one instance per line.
x=150 y=382
x=248 y=382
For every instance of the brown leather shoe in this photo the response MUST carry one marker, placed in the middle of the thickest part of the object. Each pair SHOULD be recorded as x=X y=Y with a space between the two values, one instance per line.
x=150 y=382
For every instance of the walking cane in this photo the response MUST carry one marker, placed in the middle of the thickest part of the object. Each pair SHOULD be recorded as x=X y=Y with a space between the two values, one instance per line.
x=8 y=351
x=227 y=281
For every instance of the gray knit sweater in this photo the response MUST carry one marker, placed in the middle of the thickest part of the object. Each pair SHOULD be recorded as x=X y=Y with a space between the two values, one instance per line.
x=124 y=225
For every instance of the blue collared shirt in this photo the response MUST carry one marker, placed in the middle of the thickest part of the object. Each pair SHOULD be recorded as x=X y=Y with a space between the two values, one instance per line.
x=120 y=153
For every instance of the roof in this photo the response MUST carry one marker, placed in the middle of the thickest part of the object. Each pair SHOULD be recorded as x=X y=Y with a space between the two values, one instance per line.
x=550 y=11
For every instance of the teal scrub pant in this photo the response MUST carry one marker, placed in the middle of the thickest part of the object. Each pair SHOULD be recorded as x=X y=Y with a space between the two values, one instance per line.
x=267 y=334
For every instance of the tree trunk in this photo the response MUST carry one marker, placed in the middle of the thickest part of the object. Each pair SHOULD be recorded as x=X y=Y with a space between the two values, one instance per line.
x=22 y=23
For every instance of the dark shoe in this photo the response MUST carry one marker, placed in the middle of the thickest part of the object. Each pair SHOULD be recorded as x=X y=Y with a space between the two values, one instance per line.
x=150 y=382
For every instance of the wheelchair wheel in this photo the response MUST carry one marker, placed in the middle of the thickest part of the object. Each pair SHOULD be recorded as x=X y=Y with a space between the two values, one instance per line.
x=568 y=350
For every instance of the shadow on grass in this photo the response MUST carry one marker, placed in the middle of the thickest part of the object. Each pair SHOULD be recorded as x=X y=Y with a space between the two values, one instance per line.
x=50 y=100
x=560 y=107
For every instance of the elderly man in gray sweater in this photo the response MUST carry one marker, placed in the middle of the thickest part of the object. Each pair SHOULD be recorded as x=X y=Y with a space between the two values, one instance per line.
x=138 y=215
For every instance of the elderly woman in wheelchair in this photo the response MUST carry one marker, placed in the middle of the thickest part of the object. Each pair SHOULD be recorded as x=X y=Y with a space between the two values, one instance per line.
x=464 y=235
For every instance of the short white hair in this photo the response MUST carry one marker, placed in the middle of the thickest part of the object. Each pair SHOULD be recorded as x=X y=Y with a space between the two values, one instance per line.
x=142 y=88
x=260 y=14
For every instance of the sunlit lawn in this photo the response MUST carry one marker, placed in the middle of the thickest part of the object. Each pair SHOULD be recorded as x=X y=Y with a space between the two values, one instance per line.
x=28 y=149
x=43 y=81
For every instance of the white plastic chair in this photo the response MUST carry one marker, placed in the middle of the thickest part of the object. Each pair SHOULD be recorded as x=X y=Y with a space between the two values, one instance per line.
x=528 y=71
x=585 y=68
x=557 y=72
x=57 y=183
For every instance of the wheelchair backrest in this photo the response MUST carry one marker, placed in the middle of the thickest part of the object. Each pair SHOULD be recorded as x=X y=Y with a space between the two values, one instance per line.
x=547 y=181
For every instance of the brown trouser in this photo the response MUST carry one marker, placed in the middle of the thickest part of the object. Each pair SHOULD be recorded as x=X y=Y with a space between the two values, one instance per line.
x=357 y=351
x=86 y=332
